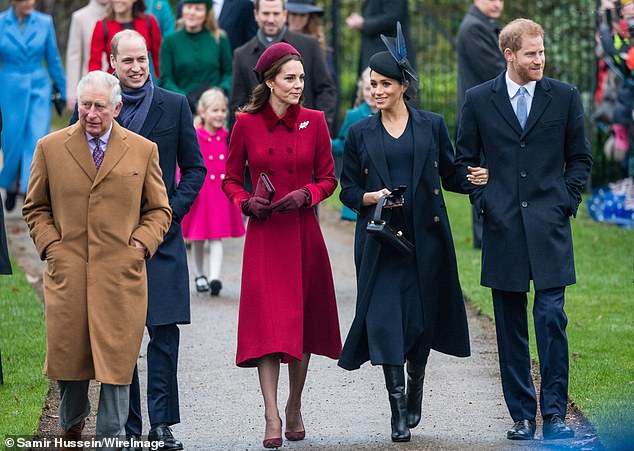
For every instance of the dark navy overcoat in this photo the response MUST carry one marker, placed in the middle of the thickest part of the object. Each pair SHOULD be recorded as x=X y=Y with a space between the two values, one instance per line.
x=365 y=169
x=169 y=124
x=535 y=180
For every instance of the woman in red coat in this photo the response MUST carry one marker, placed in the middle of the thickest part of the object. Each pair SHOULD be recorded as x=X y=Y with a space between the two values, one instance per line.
x=125 y=15
x=287 y=302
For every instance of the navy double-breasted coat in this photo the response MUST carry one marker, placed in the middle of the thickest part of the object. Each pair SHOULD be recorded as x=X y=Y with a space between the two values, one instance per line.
x=365 y=169
x=535 y=180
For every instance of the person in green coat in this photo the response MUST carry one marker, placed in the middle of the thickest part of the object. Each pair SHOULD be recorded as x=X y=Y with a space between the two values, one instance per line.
x=162 y=10
x=363 y=107
x=198 y=56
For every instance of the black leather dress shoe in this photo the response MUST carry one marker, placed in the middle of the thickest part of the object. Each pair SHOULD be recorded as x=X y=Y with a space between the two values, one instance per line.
x=555 y=428
x=162 y=432
x=522 y=430
x=131 y=439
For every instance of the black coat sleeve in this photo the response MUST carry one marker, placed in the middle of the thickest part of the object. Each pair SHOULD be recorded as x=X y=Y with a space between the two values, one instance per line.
x=352 y=186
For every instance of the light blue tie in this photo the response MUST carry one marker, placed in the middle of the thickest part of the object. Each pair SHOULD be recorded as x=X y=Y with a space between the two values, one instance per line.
x=522 y=109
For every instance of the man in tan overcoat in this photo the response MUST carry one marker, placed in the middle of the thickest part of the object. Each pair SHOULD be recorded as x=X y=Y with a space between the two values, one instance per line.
x=96 y=207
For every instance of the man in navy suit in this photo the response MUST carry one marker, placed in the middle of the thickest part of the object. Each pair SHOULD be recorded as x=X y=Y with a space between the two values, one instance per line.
x=531 y=130
x=163 y=117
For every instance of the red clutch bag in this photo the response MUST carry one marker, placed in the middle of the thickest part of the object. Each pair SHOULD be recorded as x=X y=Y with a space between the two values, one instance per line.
x=264 y=188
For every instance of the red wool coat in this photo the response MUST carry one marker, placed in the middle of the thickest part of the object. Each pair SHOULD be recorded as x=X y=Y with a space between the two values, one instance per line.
x=287 y=300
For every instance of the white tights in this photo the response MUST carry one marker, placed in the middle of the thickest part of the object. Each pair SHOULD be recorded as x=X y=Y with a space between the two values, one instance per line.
x=215 y=258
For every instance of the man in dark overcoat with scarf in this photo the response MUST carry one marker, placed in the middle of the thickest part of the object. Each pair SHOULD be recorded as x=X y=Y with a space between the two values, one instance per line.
x=531 y=130
x=164 y=118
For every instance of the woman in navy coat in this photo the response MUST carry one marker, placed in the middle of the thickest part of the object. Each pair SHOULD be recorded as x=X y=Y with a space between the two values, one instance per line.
x=405 y=305
x=27 y=39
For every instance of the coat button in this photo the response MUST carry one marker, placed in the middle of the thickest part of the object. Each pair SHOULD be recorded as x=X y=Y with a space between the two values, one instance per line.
x=270 y=151
x=522 y=144
x=212 y=177
x=523 y=174
x=217 y=138
x=435 y=164
x=221 y=156
x=524 y=204
x=211 y=157
x=222 y=176
x=208 y=140
x=290 y=171
x=436 y=191
x=436 y=219
x=270 y=171
x=289 y=150
x=365 y=171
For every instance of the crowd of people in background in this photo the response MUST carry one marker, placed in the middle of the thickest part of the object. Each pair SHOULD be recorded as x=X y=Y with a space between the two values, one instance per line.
x=237 y=93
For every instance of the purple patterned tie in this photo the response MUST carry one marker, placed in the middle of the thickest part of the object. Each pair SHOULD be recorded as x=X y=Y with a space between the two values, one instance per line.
x=98 y=153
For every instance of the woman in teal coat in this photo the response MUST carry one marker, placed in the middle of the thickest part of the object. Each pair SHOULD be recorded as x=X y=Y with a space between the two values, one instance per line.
x=27 y=39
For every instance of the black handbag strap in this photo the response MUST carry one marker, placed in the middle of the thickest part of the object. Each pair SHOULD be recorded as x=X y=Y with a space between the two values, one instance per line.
x=378 y=211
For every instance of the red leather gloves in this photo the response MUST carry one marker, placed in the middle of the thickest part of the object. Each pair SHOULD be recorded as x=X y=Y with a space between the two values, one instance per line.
x=292 y=201
x=256 y=206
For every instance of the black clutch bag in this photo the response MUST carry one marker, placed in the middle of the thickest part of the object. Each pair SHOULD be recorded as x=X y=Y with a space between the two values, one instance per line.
x=56 y=99
x=383 y=232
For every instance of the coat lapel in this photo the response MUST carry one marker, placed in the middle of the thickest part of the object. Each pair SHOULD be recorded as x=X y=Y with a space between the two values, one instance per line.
x=116 y=149
x=77 y=146
x=374 y=145
x=502 y=103
x=422 y=138
x=155 y=113
x=538 y=106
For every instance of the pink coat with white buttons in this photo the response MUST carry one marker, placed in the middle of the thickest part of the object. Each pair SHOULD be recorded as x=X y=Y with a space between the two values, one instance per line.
x=212 y=216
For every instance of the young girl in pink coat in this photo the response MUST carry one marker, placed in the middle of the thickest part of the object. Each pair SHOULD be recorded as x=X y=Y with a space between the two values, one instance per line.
x=212 y=217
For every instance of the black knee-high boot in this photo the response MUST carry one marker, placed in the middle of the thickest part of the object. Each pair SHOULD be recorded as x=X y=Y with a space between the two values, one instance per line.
x=415 y=378
x=395 y=383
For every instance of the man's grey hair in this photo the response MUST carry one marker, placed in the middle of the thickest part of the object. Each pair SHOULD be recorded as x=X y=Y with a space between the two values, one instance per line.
x=100 y=79
x=122 y=35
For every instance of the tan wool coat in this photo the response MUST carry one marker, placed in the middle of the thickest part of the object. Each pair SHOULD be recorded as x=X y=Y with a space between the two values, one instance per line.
x=83 y=223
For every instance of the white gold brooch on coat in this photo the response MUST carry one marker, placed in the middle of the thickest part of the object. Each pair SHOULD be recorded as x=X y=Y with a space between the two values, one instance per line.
x=303 y=125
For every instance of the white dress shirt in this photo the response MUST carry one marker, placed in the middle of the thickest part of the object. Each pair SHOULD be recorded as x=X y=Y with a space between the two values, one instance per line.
x=512 y=89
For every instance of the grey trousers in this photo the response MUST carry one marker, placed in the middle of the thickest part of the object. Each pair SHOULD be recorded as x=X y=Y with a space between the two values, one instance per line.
x=112 y=411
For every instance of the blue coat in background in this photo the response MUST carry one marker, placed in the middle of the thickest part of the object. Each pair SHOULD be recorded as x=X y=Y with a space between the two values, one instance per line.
x=25 y=93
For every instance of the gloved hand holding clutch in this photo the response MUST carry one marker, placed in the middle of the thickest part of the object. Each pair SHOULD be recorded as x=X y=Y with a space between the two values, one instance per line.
x=292 y=201
x=256 y=206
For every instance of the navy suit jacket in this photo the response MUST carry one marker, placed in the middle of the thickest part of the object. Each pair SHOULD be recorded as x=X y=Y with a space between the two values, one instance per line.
x=536 y=176
x=169 y=124
x=236 y=18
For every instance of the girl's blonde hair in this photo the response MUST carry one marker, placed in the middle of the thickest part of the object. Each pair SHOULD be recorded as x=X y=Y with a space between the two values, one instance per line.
x=208 y=98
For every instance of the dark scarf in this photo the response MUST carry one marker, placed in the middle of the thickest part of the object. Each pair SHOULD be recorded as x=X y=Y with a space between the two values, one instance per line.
x=136 y=105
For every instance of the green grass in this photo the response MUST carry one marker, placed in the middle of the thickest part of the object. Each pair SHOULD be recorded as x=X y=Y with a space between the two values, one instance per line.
x=23 y=343
x=600 y=315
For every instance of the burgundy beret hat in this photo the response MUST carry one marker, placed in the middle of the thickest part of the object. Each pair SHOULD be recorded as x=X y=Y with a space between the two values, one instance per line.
x=272 y=54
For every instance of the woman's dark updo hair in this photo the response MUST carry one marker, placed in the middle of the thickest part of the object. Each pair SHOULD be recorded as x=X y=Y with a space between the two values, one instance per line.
x=261 y=93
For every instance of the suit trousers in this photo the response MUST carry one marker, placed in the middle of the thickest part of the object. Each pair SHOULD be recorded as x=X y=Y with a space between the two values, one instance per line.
x=162 y=382
x=112 y=411
x=511 y=326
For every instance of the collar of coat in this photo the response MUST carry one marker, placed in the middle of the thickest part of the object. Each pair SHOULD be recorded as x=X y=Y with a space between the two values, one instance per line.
x=271 y=119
